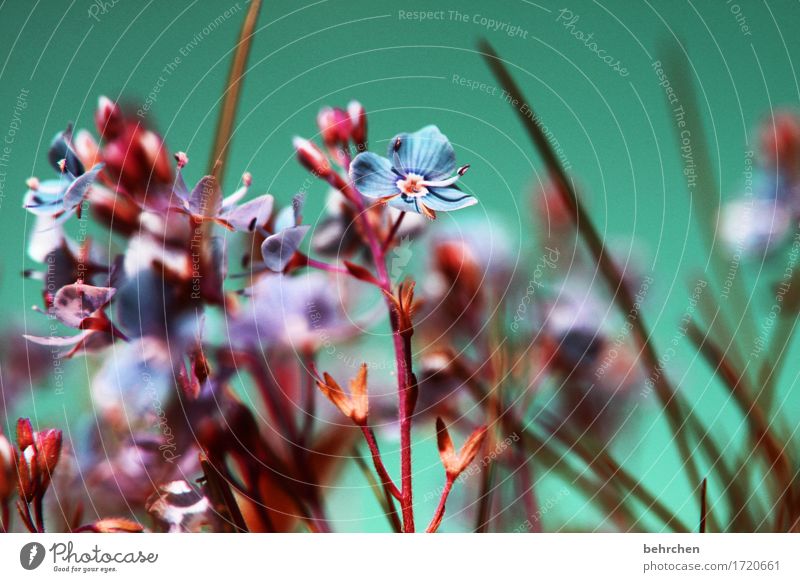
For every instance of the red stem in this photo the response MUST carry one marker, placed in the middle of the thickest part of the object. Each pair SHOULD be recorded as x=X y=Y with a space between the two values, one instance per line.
x=437 y=517
x=386 y=479
x=402 y=355
x=314 y=263
x=393 y=232
x=5 y=517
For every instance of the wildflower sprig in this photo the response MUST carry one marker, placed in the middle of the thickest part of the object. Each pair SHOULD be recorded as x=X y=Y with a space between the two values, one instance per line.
x=454 y=463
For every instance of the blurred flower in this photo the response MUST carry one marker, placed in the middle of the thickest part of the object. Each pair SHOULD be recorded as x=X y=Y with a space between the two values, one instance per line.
x=136 y=159
x=62 y=197
x=81 y=306
x=112 y=525
x=418 y=179
x=176 y=507
x=229 y=213
x=279 y=248
x=296 y=311
x=133 y=384
x=755 y=226
x=780 y=144
x=760 y=220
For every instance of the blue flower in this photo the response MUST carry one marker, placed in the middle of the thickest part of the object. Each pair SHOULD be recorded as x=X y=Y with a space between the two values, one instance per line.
x=420 y=177
x=62 y=197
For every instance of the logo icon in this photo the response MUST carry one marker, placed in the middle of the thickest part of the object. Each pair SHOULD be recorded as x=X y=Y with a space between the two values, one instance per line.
x=31 y=555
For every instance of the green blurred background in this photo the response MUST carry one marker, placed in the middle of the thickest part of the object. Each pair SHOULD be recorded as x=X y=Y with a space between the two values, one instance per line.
x=616 y=132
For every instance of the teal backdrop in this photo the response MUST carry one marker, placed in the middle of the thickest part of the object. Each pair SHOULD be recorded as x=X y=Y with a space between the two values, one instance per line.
x=411 y=64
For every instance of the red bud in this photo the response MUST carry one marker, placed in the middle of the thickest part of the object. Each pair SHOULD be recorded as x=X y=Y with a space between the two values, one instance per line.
x=312 y=157
x=108 y=118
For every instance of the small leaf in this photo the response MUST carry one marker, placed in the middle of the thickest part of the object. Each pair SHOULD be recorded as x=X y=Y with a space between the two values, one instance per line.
x=447 y=451
x=360 y=273
x=333 y=392
x=470 y=449
x=358 y=394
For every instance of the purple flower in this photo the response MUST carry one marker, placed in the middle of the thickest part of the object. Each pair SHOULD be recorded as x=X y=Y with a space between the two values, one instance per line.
x=278 y=248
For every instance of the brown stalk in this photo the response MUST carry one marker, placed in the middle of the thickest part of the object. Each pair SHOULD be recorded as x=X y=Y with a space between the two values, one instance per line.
x=382 y=494
x=705 y=202
x=677 y=411
x=601 y=463
x=762 y=436
x=233 y=89
x=221 y=495
x=703 y=505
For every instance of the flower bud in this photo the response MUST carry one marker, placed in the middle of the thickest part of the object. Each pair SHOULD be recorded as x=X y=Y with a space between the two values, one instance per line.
x=38 y=456
x=312 y=157
x=358 y=124
x=8 y=468
x=780 y=142
x=108 y=118
x=334 y=126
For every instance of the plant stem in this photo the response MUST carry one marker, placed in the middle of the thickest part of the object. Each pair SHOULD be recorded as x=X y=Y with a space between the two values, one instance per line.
x=703 y=506
x=382 y=494
x=439 y=514
x=5 y=517
x=676 y=410
x=386 y=479
x=393 y=232
x=224 y=131
x=402 y=350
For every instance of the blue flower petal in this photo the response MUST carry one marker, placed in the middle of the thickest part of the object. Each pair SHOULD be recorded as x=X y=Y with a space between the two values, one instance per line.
x=426 y=152
x=76 y=191
x=447 y=199
x=47 y=199
x=406 y=204
x=373 y=175
x=285 y=219
x=278 y=249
